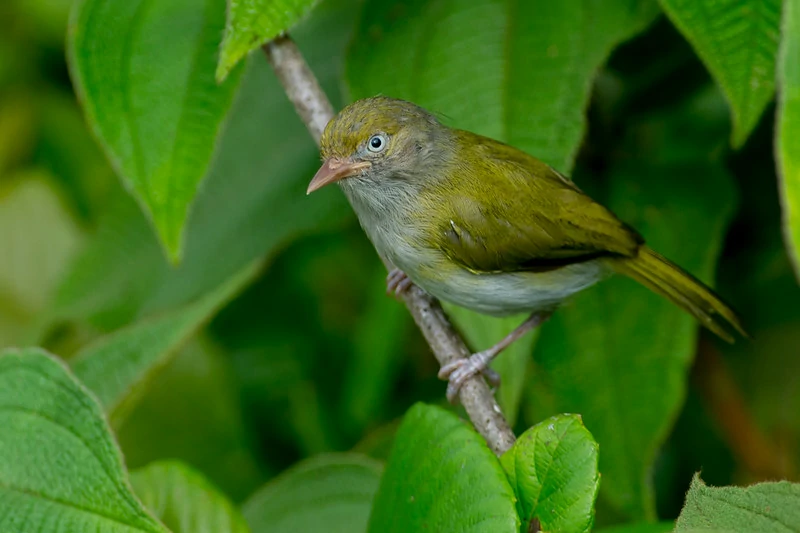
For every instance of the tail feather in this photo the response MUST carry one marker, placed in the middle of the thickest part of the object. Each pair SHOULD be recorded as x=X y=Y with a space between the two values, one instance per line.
x=669 y=280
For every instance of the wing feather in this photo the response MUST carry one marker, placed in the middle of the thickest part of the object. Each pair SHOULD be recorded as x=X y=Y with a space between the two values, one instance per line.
x=544 y=222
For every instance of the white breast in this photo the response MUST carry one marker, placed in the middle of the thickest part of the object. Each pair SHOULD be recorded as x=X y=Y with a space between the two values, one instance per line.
x=508 y=293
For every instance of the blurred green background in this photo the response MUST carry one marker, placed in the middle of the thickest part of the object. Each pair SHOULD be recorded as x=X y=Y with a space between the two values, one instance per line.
x=312 y=356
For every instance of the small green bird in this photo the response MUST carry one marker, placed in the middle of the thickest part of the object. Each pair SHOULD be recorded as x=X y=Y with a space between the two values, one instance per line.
x=485 y=226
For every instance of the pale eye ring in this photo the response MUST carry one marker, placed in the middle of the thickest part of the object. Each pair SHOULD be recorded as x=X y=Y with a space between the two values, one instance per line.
x=377 y=143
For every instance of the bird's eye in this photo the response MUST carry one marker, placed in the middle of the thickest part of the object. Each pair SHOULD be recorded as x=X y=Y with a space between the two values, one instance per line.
x=376 y=143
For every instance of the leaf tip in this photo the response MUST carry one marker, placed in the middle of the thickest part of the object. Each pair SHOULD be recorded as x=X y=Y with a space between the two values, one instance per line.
x=225 y=64
x=172 y=243
x=738 y=135
x=231 y=53
x=221 y=73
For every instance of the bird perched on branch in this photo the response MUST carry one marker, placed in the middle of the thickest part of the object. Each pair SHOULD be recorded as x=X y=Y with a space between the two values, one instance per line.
x=486 y=226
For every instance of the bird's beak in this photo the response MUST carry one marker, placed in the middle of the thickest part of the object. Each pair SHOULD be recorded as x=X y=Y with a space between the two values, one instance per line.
x=334 y=170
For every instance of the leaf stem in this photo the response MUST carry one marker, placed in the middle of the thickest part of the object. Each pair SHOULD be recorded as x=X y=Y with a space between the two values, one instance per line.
x=315 y=110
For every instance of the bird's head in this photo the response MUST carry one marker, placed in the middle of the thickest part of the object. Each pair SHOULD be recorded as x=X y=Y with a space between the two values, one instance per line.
x=378 y=139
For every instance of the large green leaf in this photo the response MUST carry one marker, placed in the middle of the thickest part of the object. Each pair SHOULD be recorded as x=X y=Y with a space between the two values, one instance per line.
x=518 y=71
x=640 y=527
x=378 y=350
x=194 y=400
x=185 y=501
x=331 y=493
x=118 y=366
x=144 y=71
x=441 y=476
x=251 y=23
x=765 y=507
x=60 y=469
x=738 y=41
x=252 y=203
x=553 y=470
x=619 y=354
x=788 y=126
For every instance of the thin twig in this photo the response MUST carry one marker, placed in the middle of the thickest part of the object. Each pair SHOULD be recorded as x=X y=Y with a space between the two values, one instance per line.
x=315 y=110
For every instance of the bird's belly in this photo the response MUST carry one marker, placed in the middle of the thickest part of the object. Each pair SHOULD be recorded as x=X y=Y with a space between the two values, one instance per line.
x=504 y=293
x=399 y=239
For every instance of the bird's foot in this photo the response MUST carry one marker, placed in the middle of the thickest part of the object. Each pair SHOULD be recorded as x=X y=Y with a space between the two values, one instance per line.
x=397 y=282
x=460 y=370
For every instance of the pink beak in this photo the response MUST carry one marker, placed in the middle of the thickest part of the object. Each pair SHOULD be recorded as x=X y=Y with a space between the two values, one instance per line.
x=334 y=170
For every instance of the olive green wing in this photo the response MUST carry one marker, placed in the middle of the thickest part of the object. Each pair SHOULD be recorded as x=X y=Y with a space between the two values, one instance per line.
x=529 y=217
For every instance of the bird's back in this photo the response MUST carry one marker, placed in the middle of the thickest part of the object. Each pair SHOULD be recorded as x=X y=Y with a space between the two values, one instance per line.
x=505 y=211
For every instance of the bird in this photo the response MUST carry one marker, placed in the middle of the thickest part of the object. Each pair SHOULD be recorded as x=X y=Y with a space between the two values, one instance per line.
x=483 y=225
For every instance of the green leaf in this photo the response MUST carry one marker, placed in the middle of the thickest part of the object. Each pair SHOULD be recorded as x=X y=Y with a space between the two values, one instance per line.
x=764 y=507
x=185 y=501
x=441 y=476
x=482 y=332
x=194 y=400
x=378 y=350
x=553 y=470
x=617 y=353
x=331 y=493
x=145 y=74
x=788 y=127
x=640 y=527
x=528 y=80
x=60 y=469
x=252 y=203
x=119 y=366
x=737 y=40
x=251 y=23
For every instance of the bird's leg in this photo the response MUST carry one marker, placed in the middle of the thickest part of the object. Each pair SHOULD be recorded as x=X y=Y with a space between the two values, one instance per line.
x=397 y=282
x=461 y=370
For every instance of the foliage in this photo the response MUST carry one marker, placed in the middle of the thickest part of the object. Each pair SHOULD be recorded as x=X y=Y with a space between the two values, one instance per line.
x=227 y=339
x=788 y=126
x=625 y=371
x=439 y=469
x=737 y=41
x=61 y=468
x=534 y=63
x=148 y=88
x=332 y=492
x=251 y=23
x=184 y=501
x=553 y=469
x=761 y=507
x=116 y=365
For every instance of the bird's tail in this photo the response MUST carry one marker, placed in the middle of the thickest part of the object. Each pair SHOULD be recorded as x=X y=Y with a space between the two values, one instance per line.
x=669 y=280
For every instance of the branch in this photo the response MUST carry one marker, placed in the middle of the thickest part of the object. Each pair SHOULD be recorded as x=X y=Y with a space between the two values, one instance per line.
x=315 y=110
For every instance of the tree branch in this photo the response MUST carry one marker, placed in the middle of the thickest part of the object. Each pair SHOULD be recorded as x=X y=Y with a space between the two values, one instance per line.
x=315 y=110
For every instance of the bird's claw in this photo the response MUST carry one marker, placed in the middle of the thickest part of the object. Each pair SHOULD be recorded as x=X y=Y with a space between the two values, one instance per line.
x=397 y=282
x=491 y=376
x=459 y=371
